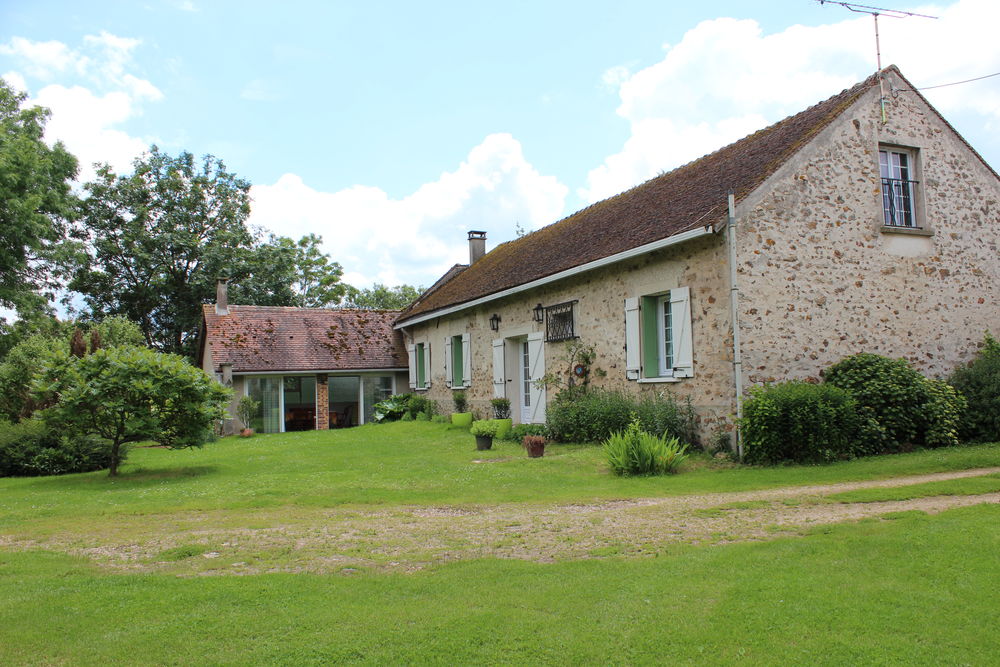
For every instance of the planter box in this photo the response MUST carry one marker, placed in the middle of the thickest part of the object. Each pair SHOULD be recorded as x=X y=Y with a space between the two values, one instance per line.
x=484 y=442
x=462 y=419
x=505 y=426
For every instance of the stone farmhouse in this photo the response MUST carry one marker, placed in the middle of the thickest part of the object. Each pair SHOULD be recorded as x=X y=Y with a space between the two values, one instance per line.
x=864 y=223
x=309 y=368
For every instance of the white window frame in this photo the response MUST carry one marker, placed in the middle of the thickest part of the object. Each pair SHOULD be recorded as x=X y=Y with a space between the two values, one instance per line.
x=899 y=217
x=639 y=366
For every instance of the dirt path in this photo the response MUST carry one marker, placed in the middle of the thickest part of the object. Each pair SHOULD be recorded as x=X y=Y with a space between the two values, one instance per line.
x=410 y=538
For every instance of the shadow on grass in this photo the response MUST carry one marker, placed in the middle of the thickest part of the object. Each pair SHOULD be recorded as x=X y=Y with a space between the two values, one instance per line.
x=130 y=478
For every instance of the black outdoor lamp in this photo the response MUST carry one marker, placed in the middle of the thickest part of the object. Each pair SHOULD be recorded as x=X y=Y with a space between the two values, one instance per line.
x=495 y=322
x=539 y=312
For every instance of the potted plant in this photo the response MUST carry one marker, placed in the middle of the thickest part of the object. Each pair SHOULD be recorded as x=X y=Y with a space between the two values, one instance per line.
x=246 y=409
x=535 y=444
x=484 y=430
x=460 y=417
x=501 y=413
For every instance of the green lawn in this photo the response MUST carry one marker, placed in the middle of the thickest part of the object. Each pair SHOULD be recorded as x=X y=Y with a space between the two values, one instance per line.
x=411 y=463
x=913 y=589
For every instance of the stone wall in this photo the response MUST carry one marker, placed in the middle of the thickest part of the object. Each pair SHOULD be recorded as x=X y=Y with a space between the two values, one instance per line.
x=820 y=279
x=600 y=321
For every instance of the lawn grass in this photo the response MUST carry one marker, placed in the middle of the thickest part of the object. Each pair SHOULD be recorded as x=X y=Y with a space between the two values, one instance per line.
x=967 y=486
x=911 y=591
x=418 y=463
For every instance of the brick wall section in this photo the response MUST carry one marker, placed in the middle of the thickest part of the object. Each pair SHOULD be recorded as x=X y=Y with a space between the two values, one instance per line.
x=322 y=402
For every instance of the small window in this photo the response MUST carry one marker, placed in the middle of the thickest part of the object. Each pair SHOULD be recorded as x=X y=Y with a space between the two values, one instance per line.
x=457 y=363
x=658 y=341
x=897 y=169
x=421 y=366
x=665 y=336
x=559 y=322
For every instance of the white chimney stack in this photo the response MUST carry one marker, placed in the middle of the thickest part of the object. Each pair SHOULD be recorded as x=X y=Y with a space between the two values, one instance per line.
x=477 y=246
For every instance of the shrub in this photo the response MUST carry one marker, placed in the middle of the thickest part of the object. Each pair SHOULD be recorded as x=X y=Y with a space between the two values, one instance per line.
x=461 y=403
x=501 y=408
x=579 y=415
x=979 y=383
x=485 y=428
x=805 y=423
x=418 y=404
x=246 y=409
x=635 y=452
x=907 y=406
x=391 y=409
x=29 y=449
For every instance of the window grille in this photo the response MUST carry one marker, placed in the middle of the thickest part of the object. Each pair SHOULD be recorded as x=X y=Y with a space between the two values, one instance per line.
x=559 y=322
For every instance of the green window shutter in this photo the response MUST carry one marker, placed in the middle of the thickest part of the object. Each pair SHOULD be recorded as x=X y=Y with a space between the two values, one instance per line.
x=650 y=345
x=457 y=364
x=421 y=367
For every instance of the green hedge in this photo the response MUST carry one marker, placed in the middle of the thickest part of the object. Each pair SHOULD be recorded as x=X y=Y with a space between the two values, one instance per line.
x=29 y=449
x=582 y=415
x=979 y=383
x=805 y=423
x=912 y=410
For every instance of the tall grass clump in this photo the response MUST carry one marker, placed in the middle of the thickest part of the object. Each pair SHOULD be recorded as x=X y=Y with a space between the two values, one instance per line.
x=593 y=415
x=634 y=452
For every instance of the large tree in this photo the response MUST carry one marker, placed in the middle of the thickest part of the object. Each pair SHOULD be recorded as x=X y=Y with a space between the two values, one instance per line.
x=381 y=297
x=35 y=204
x=130 y=394
x=161 y=236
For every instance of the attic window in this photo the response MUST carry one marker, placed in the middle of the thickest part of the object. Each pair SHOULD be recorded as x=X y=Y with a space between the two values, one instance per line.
x=559 y=322
x=898 y=169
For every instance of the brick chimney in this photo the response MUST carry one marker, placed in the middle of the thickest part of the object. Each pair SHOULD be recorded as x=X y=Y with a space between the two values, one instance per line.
x=222 y=296
x=477 y=246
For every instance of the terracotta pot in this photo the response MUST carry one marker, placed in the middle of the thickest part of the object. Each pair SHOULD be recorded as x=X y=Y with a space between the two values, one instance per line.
x=246 y=433
x=484 y=442
x=536 y=450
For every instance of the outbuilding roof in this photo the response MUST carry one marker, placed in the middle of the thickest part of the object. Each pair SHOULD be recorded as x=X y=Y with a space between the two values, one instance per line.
x=679 y=201
x=272 y=338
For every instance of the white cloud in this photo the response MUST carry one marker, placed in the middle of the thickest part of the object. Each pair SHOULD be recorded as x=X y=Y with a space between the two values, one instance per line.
x=87 y=115
x=416 y=238
x=187 y=6
x=725 y=79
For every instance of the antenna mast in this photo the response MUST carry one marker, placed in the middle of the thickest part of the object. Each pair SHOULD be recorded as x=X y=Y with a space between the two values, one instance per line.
x=875 y=13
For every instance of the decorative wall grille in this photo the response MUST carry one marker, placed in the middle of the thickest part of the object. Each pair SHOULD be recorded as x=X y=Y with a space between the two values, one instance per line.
x=559 y=322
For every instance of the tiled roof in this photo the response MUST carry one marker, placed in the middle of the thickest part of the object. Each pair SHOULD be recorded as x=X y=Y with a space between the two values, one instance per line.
x=271 y=338
x=686 y=198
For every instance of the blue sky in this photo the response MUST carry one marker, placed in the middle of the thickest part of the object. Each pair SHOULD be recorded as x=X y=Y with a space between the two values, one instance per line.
x=392 y=128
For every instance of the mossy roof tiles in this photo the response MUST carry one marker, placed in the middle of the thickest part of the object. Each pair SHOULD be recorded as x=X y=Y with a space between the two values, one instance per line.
x=270 y=338
x=691 y=196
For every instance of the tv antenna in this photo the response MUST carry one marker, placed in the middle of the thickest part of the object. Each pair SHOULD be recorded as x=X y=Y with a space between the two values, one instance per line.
x=875 y=13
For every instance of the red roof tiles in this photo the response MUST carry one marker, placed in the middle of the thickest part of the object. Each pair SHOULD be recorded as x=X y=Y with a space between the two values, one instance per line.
x=686 y=198
x=271 y=338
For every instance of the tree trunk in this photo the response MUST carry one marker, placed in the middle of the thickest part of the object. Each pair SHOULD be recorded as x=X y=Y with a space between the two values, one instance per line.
x=113 y=471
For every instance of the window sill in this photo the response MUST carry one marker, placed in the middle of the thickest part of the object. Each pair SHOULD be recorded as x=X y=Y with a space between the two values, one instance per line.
x=459 y=387
x=907 y=231
x=658 y=380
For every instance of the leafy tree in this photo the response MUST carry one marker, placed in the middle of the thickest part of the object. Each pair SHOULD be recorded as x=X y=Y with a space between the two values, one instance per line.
x=161 y=236
x=381 y=297
x=35 y=205
x=27 y=359
x=129 y=394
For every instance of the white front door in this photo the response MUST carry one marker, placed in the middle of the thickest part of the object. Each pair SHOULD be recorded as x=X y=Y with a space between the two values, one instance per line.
x=524 y=378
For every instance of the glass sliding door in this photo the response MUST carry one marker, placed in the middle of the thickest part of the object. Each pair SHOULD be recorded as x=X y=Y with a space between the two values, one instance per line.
x=300 y=402
x=376 y=389
x=267 y=392
x=345 y=392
